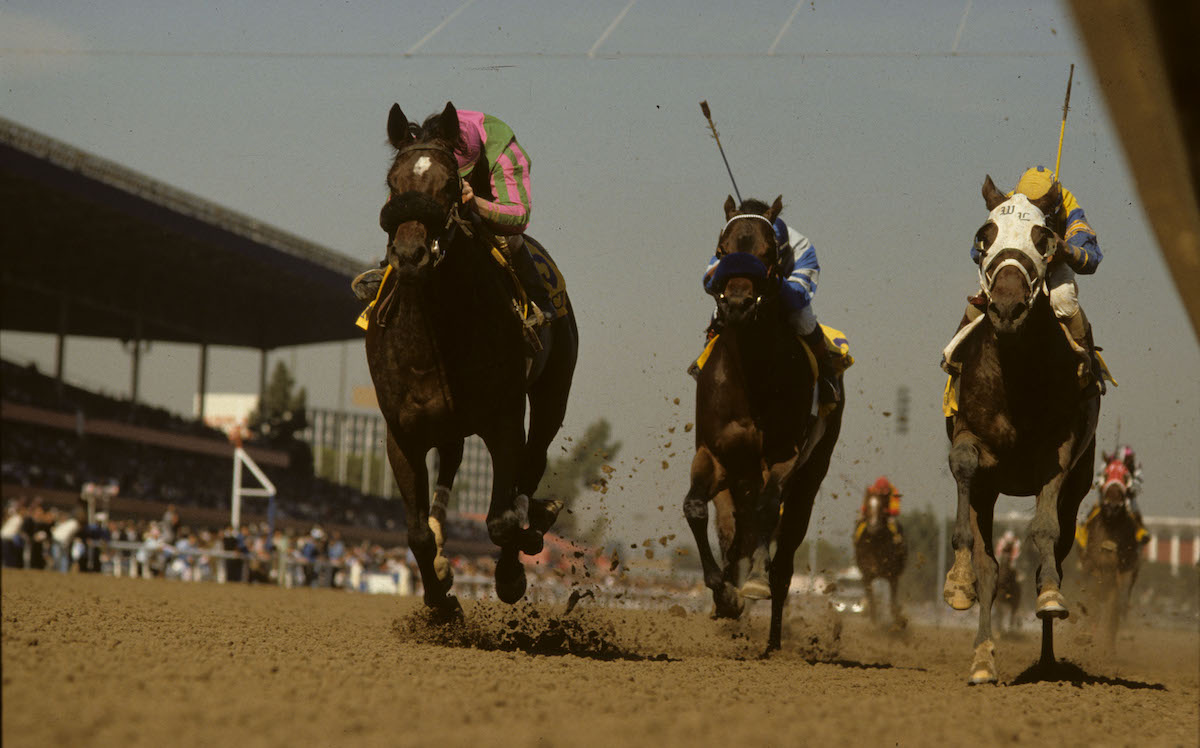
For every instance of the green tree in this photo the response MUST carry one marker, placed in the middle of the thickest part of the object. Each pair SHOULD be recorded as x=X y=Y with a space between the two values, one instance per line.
x=586 y=465
x=281 y=410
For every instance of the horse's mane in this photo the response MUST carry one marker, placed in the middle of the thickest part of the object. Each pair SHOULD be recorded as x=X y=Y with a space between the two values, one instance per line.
x=753 y=205
x=430 y=125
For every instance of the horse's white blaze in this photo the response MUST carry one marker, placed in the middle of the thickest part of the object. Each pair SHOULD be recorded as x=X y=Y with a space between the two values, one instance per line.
x=422 y=166
x=1014 y=219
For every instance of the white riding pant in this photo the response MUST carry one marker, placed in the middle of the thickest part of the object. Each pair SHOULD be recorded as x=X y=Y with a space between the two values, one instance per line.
x=1064 y=292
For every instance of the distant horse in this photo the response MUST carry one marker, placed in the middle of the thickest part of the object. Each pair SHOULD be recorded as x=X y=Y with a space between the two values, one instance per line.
x=1111 y=554
x=879 y=556
x=1022 y=426
x=448 y=360
x=1008 y=593
x=762 y=447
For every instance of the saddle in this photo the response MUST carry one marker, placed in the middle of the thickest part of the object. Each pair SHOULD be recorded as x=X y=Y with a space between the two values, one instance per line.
x=835 y=342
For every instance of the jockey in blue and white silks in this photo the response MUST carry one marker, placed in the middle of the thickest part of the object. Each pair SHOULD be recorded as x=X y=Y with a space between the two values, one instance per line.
x=799 y=271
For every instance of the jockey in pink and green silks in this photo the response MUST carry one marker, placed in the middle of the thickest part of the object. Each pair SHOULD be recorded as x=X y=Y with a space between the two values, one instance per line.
x=496 y=170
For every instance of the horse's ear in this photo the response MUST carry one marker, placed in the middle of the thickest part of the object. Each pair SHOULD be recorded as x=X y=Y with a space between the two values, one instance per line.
x=448 y=124
x=1049 y=202
x=776 y=209
x=992 y=196
x=398 y=134
x=730 y=208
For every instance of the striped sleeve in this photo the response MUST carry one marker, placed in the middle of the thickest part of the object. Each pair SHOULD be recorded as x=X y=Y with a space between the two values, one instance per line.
x=1080 y=237
x=709 y=272
x=800 y=283
x=509 y=212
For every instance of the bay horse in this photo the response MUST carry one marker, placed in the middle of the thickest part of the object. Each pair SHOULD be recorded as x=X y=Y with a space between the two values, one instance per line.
x=762 y=444
x=1022 y=426
x=1008 y=591
x=1111 y=554
x=448 y=359
x=879 y=556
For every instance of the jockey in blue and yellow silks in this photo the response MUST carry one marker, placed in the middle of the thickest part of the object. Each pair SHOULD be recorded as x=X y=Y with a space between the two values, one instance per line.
x=1082 y=257
x=799 y=270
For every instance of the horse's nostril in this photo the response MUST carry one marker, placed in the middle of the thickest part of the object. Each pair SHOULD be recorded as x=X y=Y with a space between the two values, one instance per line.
x=1018 y=310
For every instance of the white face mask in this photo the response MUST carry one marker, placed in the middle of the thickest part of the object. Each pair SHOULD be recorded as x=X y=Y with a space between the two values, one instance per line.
x=1014 y=219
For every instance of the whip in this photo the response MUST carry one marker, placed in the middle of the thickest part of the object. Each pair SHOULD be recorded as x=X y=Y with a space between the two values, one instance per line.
x=717 y=137
x=1062 y=130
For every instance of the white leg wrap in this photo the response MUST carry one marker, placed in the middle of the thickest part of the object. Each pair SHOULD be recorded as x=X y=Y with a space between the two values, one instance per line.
x=521 y=507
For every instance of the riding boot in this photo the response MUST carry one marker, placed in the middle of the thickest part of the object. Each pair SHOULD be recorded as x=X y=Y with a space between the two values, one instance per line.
x=1091 y=377
x=541 y=308
x=894 y=526
x=828 y=389
x=1141 y=534
x=366 y=285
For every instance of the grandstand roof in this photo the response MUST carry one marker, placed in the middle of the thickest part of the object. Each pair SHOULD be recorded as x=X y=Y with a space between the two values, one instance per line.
x=125 y=251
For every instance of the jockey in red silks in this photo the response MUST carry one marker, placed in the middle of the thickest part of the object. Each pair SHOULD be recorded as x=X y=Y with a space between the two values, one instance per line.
x=883 y=488
x=1123 y=466
x=495 y=174
x=1008 y=546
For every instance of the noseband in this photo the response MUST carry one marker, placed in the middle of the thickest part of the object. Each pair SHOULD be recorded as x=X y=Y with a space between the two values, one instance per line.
x=417 y=206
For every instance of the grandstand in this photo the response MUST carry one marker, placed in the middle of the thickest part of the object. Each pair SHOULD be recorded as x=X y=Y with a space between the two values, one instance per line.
x=89 y=249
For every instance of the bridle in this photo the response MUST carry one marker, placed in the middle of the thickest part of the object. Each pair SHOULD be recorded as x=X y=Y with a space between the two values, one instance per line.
x=723 y=255
x=1014 y=240
x=422 y=203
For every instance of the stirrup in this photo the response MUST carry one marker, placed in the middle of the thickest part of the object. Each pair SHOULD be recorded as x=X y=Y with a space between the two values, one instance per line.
x=366 y=285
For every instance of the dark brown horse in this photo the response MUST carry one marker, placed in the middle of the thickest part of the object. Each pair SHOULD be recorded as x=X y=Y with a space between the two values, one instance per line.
x=448 y=360
x=1022 y=427
x=1008 y=593
x=879 y=556
x=762 y=448
x=1111 y=554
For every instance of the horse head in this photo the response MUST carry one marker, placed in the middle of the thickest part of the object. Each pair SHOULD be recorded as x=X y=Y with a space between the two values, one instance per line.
x=1114 y=487
x=747 y=274
x=424 y=191
x=1015 y=246
x=874 y=511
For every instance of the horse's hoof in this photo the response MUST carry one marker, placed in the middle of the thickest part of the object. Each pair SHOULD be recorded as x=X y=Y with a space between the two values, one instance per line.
x=983 y=667
x=756 y=588
x=1051 y=604
x=531 y=542
x=543 y=513
x=448 y=611
x=510 y=579
x=727 y=603
x=959 y=590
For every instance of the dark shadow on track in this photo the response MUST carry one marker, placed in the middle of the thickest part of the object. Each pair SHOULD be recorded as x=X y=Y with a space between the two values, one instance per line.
x=1068 y=672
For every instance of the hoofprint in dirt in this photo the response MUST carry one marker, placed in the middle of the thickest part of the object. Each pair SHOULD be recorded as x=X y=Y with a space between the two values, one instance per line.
x=145 y=662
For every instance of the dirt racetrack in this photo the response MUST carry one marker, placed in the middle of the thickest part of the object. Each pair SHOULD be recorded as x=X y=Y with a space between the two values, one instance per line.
x=91 y=660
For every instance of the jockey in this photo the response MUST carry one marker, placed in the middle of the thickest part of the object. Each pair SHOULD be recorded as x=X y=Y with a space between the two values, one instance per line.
x=1009 y=546
x=496 y=188
x=799 y=270
x=1133 y=488
x=1081 y=256
x=883 y=488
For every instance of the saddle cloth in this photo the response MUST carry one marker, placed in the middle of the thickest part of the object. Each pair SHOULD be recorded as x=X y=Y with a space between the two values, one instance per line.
x=551 y=276
x=835 y=342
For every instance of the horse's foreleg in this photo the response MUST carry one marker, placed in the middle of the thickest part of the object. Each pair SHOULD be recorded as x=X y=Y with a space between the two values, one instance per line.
x=507 y=518
x=695 y=511
x=1047 y=535
x=412 y=478
x=766 y=522
x=983 y=668
x=899 y=620
x=959 y=590
x=793 y=525
x=449 y=458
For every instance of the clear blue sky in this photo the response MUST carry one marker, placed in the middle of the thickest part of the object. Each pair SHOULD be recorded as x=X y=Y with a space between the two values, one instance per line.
x=877 y=136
